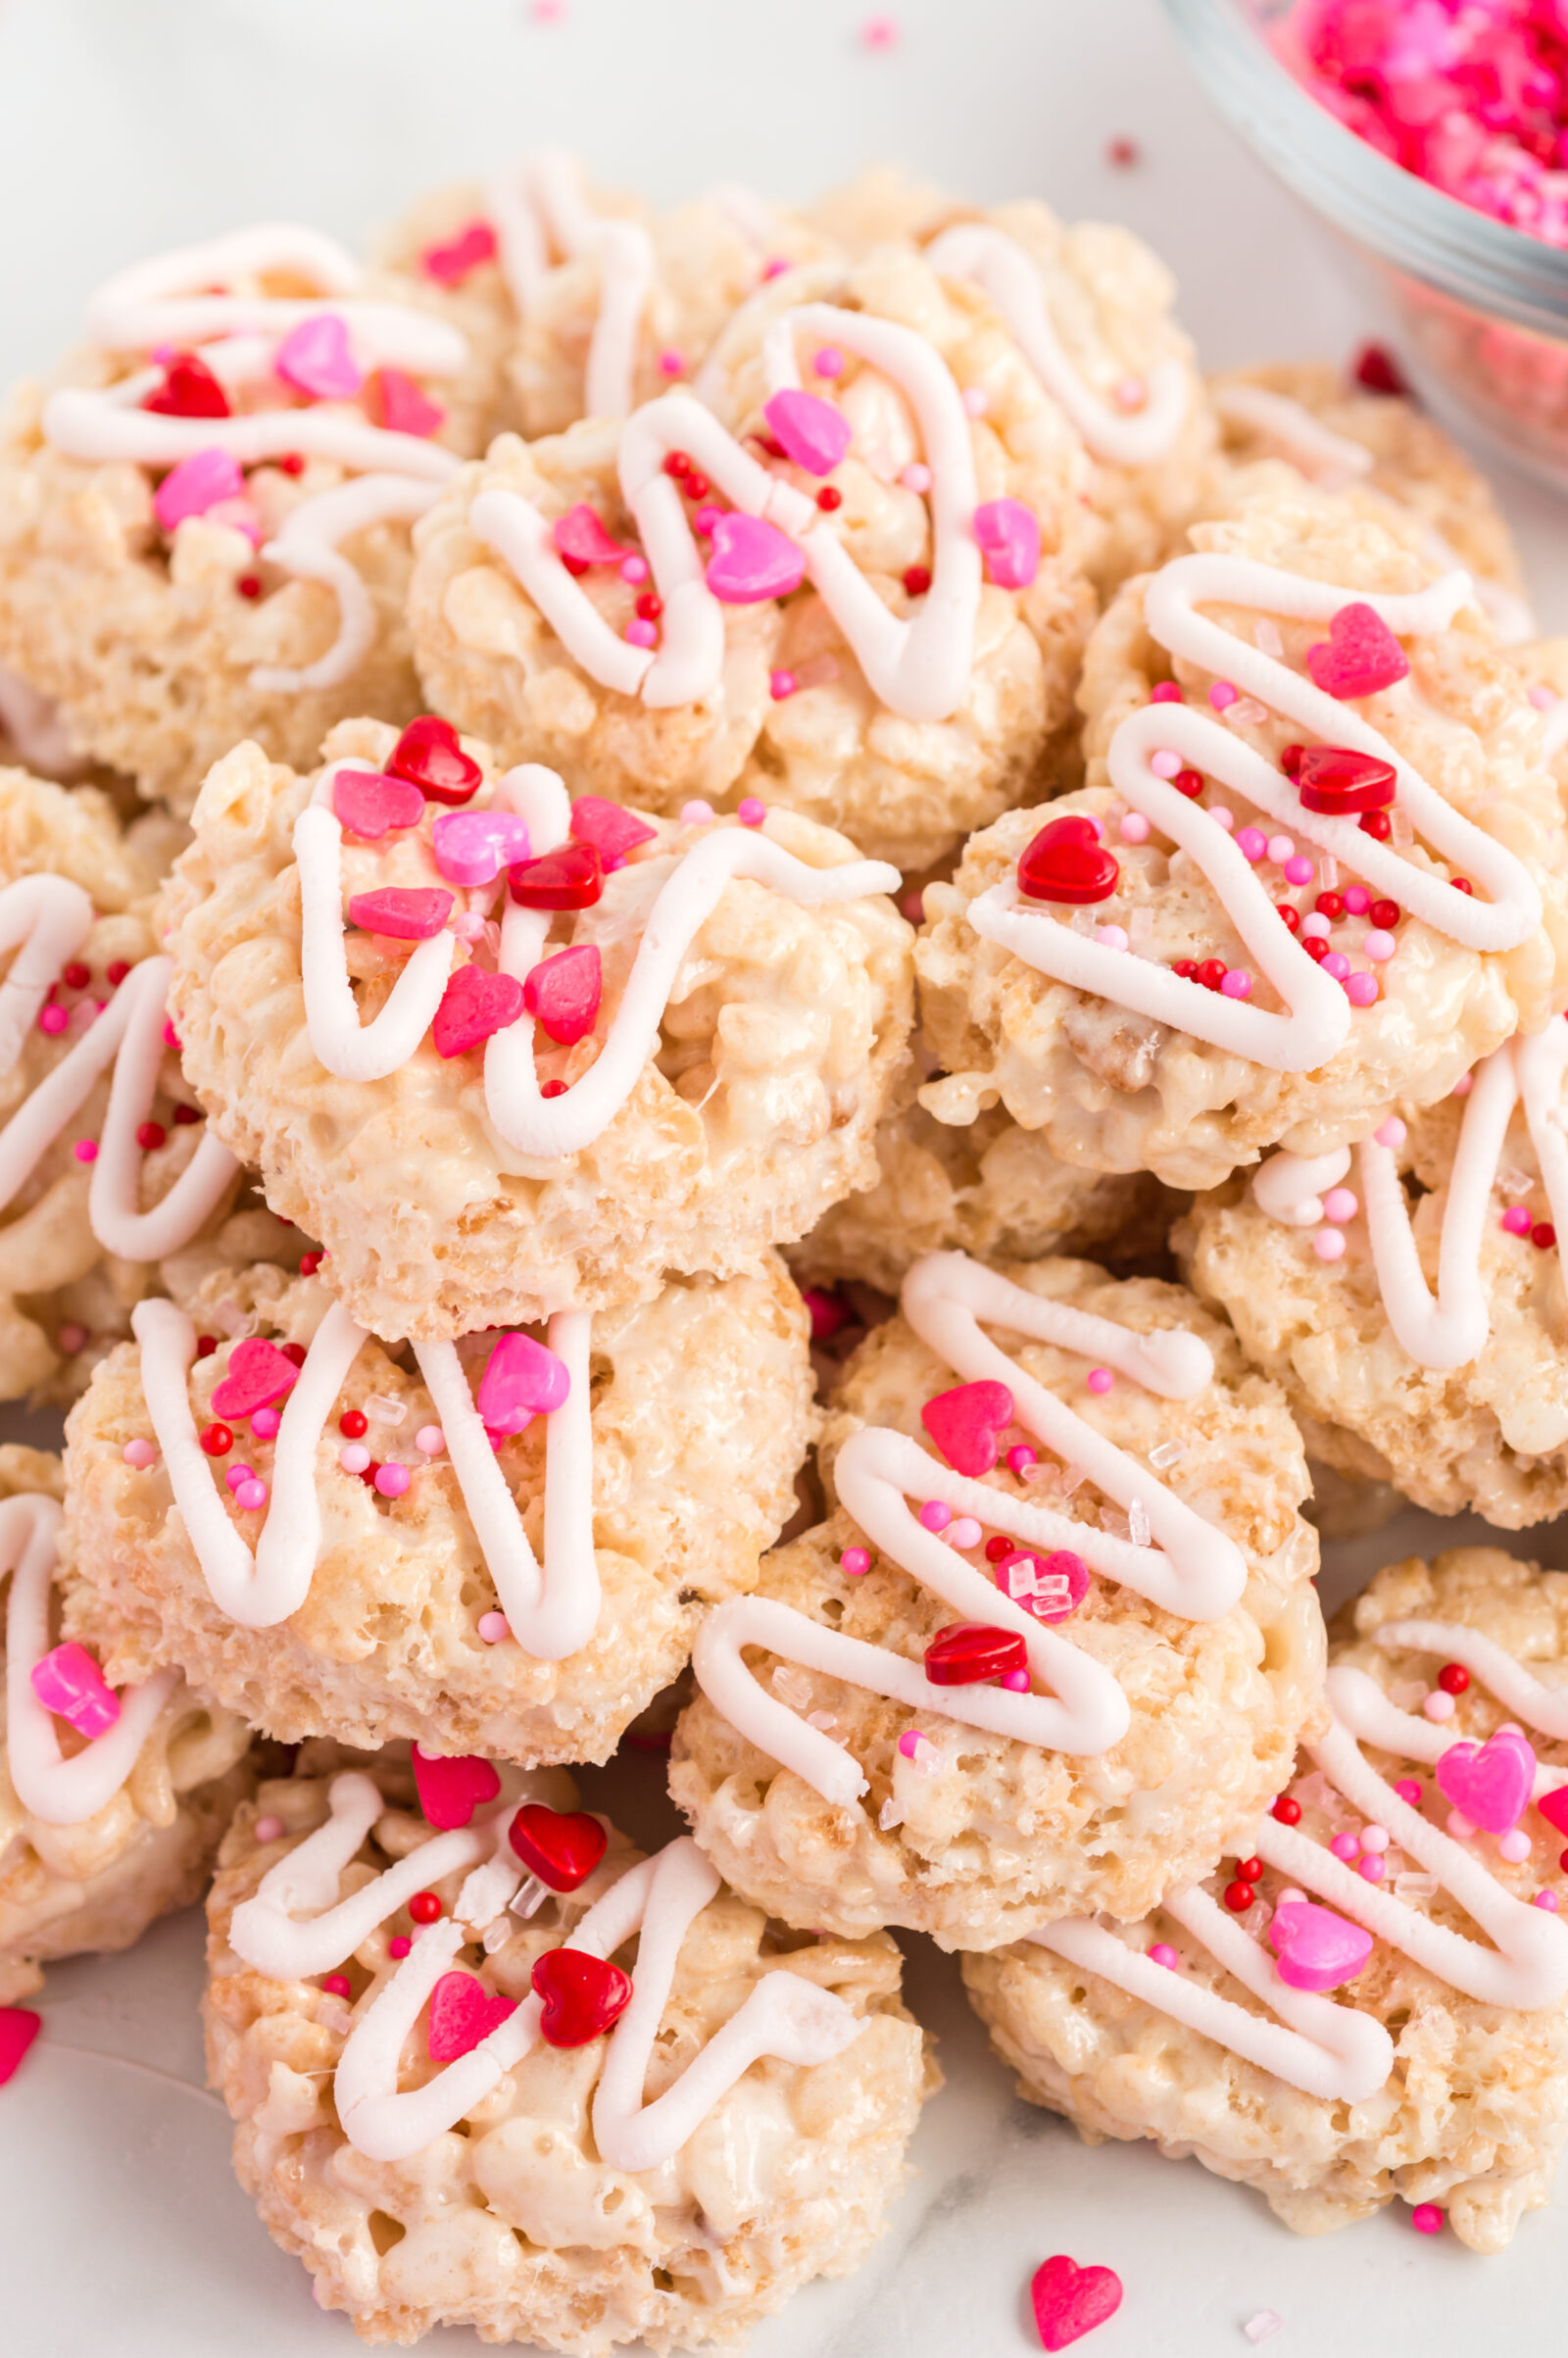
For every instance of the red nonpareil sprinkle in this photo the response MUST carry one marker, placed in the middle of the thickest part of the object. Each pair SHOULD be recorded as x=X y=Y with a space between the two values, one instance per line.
x=1291 y=914
x=1211 y=973
x=1329 y=904
x=1461 y=884
x=697 y=486
x=1189 y=782
x=206 y=1345
x=115 y=972
x=829 y=498
x=249 y=585
x=1377 y=825
x=353 y=1424
x=552 y=1088
x=76 y=976
x=1286 y=1810
x=1543 y=1235
x=650 y=607
x=1317 y=946
x=677 y=464
x=1186 y=968
x=1376 y=370
x=310 y=1262
x=1122 y=153
x=916 y=580
x=1239 y=1897
x=424 y=1907
x=827 y=1314
x=292 y=462
x=185 y=1115
x=998 y=1546
x=1249 y=1869
x=336 y=1984
x=217 y=1440
x=1290 y=758
x=295 y=1352
x=1453 y=1678
x=1386 y=914
x=150 y=1135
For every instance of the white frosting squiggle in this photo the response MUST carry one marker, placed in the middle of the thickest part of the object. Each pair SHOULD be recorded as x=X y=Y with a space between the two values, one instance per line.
x=44 y=919
x=307 y=547
x=1332 y=460
x=1542 y=1707
x=539 y=203
x=57 y=1791
x=1196 y=1570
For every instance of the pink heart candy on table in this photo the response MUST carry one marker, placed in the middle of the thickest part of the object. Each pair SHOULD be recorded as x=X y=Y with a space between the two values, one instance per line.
x=19 y=2028
x=258 y=1373
x=1488 y=1783
x=562 y=993
x=475 y=1004
x=580 y=534
x=1553 y=1807
x=812 y=432
x=462 y=2013
x=1317 y=1950
x=68 y=1681
x=452 y=1789
x=967 y=1424
x=522 y=1380
x=406 y=915
x=1069 y=2301
x=472 y=847
x=613 y=831
x=1359 y=656
x=403 y=407
x=369 y=804
x=752 y=560
x=201 y=481
x=1008 y=534
x=315 y=359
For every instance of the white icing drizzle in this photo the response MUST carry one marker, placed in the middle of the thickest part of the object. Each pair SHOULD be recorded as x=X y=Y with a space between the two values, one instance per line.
x=1289 y=1188
x=1542 y=1707
x=1004 y=271
x=1312 y=2044
x=1324 y=457
x=307 y=547
x=540 y=204
x=919 y=667
x=34 y=726
x=44 y=919
x=1196 y=1570
x=109 y=424
x=552 y=1611
x=57 y=1791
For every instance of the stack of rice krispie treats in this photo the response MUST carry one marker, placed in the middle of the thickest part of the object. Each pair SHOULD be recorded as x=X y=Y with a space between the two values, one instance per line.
x=766 y=1000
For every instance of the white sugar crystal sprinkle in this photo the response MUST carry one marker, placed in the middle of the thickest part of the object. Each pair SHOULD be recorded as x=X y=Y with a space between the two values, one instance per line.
x=1138 y=1530
x=892 y=1815
x=496 y=1935
x=383 y=1410
x=1265 y=634
x=1400 y=832
x=1266 y=2324
x=1411 y=1886
x=791 y=1687
x=1166 y=1455
x=824 y=1720
x=531 y=1897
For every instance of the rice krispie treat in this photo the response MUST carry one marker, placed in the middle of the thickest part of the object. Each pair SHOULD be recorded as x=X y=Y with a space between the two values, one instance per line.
x=204 y=518
x=105 y=1169
x=992 y=1189
x=457 y=2110
x=1347 y=439
x=1376 y=2004
x=1411 y=1302
x=848 y=578
x=111 y=1806
x=671 y=1051
x=1317 y=867
x=382 y=1555
x=1006 y=1683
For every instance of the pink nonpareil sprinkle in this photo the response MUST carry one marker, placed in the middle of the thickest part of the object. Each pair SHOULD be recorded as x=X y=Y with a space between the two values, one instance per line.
x=251 y=1496
x=70 y=1339
x=750 y=811
x=916 y=478
x=236 y=1474
x=1427 y=2219
x=673 y=363
x=53 y=1019
x=935 y=1515
x=400 y=1943
x=354 y=1457
x=640 y=632
x=1222 y=694
x=267 y=1829
x=85 y=1149
x=1329 y=1244
x=1162 y=1954
x=855 y=1561
x=1438 y=1705
x=633 y=569
x=1134 y=827
x=976 y=401
x=782 y=684
x=139 y=1454
x=880 y=33
x=1251 y=843
x=1165 y=764
x=1297 y=870
x=1236 y=983
x=392 y=1480
x=965 y=1533
x=696 y=814
x=1099 y=1380
x=1517 y=1219
x=1166 y=692
x=493 y=1627
x=431 y=1440
x=1546 y=1901
x=1020 y=1457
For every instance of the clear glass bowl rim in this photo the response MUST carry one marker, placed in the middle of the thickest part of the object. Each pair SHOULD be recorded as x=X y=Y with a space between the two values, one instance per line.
x=1408 y=222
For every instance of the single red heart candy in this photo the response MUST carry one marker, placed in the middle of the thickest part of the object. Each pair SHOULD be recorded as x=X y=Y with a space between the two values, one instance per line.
x=613 y=831
x=189 y=390
x=429 y=757
x=1360 y=655
x=19 y=2028
x=1070 y=2301
x=451 y=1790
x=561 y=1846
x=258 y=1373
x=967 y=1423
x=463 y=2011
x=563 y=992
x=1065 y=861
x=1340 y=783
x=573 y=876
x=407 y=914
x=369 y=802
x=473 y=1006
x=583 y=1995
x=1553 y=1807
x=972 y=1651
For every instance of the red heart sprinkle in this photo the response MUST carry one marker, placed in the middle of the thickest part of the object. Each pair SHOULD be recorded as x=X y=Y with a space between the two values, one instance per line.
x=452 y=260
x=613 y=831
x=258 y=1373
x=967 y=1423
x=581 y=535
x=369 y=804
x=972 y=1651
x=189 y=390
x=450 y=1790
x=1553 y=1807
x=475 y=1004
x=407 y=916
x=462 y=2013
x=564 y=993
x=1360 y=655
x=429 y=757
x=19 y=2028
x=1067 y=861
x=561 y=1846
x=582 y=1995
x=1070 y=2301
x=573 y=876
x=1334 y=780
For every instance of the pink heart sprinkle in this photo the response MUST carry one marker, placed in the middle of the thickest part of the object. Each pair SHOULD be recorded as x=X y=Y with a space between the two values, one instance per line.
x=473 y=1006
x=1317 y=1948
x=1359 y=656
x=453 y=261
x=238 y=515
x=522 y=1379
x=258 y=1373
x=815 y=435
x=405 y=405
x=472 y=847
x=407 y=916
x=451 y=1790
x=1553 y=1807
x=315 y=359
x=1008 y=534
x=752 y=560
x=462 y=2013
x=196 y=484
x=1070 y=2301
x=1489 y=1784
x=564 y=993
x=369 y=804
x=612 y=830
x=580 y=534
x=19 y=2028
x=967 y=1423
x=68 y=1681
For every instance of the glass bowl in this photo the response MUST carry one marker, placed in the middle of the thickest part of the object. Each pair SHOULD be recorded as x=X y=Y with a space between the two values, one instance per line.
x=1478 y=310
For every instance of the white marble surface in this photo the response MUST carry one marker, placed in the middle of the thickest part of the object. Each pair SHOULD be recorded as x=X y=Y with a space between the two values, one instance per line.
x=127 y=126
